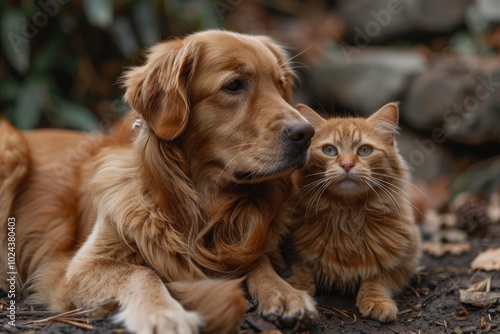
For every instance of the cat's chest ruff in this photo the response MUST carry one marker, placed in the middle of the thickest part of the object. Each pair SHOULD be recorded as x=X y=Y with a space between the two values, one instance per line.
x=354 y=244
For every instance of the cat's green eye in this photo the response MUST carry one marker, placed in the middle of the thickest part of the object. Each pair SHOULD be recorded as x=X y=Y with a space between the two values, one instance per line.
x=330 y=150
x=365 y=151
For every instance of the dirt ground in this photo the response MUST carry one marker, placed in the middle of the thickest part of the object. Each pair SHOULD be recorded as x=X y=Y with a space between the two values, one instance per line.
x=429 y=305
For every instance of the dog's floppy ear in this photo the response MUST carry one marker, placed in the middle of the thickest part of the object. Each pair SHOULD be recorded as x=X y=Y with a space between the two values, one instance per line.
x=158 y=89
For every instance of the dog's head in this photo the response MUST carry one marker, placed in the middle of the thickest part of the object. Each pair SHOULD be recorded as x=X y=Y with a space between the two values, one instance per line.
x=224 y=97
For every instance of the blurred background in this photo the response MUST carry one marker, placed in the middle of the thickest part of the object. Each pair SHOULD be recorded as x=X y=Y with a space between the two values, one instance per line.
x=60 y=62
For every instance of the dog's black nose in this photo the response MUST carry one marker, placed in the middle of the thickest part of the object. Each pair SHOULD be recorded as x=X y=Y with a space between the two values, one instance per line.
x=300 y=134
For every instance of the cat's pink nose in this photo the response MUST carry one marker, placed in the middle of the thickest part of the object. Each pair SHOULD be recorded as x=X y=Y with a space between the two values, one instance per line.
x=347 y=166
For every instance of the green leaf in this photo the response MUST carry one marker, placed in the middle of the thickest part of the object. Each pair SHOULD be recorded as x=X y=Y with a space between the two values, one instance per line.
x=99 y=12
x=16 y=34
x=9 y=113
x=29 y=103
x=9 y=89
x=200 y=14
x=77 y=117
x=146 y=21
x=49 y=54
x=124 y=36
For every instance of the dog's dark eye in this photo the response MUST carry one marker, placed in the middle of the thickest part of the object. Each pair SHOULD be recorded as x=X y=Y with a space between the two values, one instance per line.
x=234 y=86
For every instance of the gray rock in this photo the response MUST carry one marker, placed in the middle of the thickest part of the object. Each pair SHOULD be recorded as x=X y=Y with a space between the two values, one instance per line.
x=427 y=159
x=469 y=329
x=481 y=14
x=364 y=79
x=436 y=92
x=379 y=20
x=424 y=103
x=459 y=97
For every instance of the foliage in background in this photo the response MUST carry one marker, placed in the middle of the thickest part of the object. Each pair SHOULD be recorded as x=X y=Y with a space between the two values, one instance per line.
x=60 y=60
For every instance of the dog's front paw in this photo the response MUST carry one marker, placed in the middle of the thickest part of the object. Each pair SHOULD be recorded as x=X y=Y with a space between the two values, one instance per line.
x=380 y=309
x=290 y=308
x=160 y=320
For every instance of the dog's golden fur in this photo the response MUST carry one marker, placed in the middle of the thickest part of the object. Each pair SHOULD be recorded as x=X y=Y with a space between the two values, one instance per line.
x=149 y=224
x=13 y=169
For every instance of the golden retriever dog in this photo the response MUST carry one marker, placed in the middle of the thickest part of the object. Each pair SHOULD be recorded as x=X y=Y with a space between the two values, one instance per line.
x=157 y=220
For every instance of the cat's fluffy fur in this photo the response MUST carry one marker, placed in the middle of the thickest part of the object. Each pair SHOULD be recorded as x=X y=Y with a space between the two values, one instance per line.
x=353 y=223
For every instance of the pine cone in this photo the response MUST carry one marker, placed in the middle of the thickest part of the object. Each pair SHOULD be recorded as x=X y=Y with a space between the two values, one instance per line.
x=472 y=217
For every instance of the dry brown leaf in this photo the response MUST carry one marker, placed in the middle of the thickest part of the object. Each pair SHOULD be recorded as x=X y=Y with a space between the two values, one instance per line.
x=434 y=221
x=438 y=249
x=453 y=236
x=480 y=299
x=488 y=260
x=494 y=213
x=483 y=286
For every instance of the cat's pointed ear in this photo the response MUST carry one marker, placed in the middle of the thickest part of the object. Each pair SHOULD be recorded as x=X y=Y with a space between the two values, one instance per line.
x=312 y=117
x=385 y=120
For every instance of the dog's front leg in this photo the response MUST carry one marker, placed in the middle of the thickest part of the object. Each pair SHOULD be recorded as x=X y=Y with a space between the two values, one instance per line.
x=145 y=305
x=277 y=300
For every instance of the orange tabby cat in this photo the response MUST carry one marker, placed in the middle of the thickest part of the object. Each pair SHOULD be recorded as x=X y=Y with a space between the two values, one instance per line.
x=352 y=223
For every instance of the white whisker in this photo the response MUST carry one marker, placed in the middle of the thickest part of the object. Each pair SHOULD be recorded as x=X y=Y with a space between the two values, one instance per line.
x=316 y=196
x=388 y=191
x=299 y=54
x=399 y=192
x=366 y=180
x=404 y=181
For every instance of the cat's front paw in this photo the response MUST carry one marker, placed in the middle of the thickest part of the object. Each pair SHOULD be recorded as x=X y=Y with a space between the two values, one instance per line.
x=380 y=309
x=302 y=278
x=289 y=308
x=301 y=284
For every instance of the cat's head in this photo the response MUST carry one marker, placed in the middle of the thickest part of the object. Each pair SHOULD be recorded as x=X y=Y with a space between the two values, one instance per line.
x=354 y=155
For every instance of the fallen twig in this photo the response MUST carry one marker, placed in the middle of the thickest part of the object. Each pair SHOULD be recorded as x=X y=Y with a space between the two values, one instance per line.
x=344 y=313
x=77 y=324
x=463 y=309
x=428 y=300
x=441 y=323
x=408 y=310
x=454 y=285
x=415 y=292
x=415 y=308
x=72 y=312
